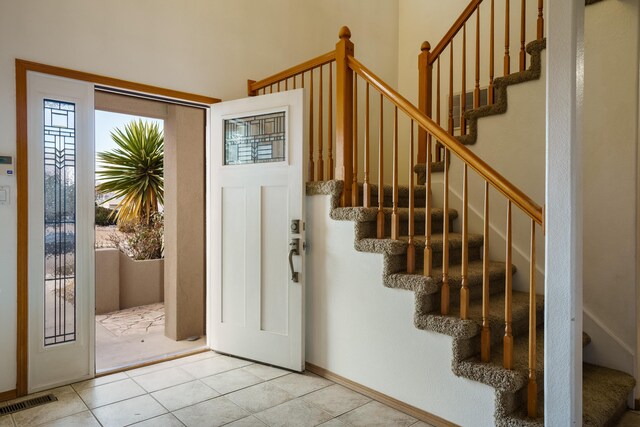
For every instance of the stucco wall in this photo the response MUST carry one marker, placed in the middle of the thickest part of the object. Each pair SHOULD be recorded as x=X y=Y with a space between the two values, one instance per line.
x=122 y=282
x=107 y=280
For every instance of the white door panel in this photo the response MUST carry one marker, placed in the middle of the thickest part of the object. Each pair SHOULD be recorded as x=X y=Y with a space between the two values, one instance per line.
x=256 y=308
x=61 y=236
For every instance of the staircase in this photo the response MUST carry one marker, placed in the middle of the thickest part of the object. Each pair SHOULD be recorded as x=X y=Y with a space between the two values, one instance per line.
x=605 y=391
x=497 y=332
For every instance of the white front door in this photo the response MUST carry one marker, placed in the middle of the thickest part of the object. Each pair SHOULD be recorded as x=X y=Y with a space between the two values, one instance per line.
x=256 y=193
x=61 y=237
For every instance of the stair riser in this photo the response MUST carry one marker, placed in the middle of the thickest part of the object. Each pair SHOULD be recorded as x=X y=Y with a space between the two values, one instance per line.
x=455 y=256
x=519 y=327
x=403 y=201
x=431 y=303
x=419 y=226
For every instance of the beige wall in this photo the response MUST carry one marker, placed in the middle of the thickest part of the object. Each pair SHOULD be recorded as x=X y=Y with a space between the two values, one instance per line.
x=209 y=47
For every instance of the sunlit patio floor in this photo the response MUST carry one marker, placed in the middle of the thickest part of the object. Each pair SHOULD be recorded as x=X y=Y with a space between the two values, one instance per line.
x=135 y=335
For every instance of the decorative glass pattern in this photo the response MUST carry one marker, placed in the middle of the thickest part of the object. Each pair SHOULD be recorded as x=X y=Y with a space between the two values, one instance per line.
x=59 y=222
x=255 y=139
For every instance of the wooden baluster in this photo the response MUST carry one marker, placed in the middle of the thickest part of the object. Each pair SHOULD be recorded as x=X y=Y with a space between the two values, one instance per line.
x=540 y=20
x=507 y=59
x=366 y=186
x=444 y=291
x=395 y=218
x=463 y=94
x=320 y=162
x=464 y=290
x=532 y=389
x=286 y=84
x=485 y=337
x=380 y=217
x=354 y=183
x=437 y=145
x=294 y=81
x=450 y=88
x=344 y=115
x=330 y=123
x=508 y=336
x=311 y=166
x=302 y=80
x=428 y=251
x=523 y=21
x=278 y=86
x=411 y=250
x=476 y=91
x=491 y=55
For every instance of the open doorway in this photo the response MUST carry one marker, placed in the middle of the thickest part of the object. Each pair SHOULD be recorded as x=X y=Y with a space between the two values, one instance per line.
x=149 y=283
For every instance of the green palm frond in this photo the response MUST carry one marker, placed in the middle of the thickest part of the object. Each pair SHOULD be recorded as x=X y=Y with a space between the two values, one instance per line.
x=134 y=170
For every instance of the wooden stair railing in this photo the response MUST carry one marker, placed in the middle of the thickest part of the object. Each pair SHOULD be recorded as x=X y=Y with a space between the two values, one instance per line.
x=427 y=58
x=410 y=120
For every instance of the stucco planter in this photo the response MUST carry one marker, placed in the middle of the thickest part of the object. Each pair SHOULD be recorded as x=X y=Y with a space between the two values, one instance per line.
x=122 y=282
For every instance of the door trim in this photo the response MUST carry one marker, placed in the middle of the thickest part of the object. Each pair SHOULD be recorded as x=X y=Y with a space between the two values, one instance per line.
x=22 y=176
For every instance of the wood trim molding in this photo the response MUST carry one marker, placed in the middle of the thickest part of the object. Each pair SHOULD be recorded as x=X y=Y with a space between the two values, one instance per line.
x=8 y=395
x=113 y=82
x=22 y=177
x=380 y=397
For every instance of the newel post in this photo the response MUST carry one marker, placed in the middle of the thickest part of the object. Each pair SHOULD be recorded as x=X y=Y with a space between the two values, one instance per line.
x=425 y=84
x=344 y=115
x=249 y=91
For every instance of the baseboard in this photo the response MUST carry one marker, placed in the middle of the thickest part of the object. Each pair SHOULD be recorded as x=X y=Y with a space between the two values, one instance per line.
x=8 y=395
x=380 y=397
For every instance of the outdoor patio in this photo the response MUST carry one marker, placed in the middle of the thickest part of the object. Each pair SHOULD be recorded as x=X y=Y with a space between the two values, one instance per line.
x=135 y=335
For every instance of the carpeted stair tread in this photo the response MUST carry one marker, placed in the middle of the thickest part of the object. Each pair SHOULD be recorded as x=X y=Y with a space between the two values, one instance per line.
x=493 y=372
x=604 y=394
x=432 y=285
x=397 y=247
x=370 y=214
x=453 y=326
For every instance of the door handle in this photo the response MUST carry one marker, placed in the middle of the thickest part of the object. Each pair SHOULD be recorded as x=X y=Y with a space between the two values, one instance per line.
x=294 y=249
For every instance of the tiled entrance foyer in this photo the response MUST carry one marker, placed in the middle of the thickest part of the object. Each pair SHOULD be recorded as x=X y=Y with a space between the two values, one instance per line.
x=206 y=390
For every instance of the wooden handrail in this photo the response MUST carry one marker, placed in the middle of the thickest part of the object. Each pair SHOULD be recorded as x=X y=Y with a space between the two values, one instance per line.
x=293 y=71
x=500 y=183
x=457 y=26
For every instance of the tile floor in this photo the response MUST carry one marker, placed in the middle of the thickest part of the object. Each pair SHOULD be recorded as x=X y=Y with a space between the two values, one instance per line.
x=207 y=390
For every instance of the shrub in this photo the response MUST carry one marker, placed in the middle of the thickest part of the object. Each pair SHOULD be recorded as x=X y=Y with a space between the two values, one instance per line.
x=104 y=217
x=145 y=241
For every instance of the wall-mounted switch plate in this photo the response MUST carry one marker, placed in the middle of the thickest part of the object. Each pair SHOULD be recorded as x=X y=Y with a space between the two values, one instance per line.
x=5 y=195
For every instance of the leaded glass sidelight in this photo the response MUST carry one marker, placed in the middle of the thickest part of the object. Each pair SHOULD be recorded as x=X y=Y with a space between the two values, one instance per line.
x=59 y=222
x=255 y=139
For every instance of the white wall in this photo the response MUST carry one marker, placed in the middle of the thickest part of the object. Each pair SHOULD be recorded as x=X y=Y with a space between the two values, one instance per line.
x=610 y=185
x=363 y=331
x=201 y=46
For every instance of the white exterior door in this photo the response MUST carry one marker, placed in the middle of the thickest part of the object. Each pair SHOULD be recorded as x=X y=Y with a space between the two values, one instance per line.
x=256 y=284
x=61 y=237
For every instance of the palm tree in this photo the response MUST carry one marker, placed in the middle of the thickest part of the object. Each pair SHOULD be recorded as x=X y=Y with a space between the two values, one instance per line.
x=134 y=171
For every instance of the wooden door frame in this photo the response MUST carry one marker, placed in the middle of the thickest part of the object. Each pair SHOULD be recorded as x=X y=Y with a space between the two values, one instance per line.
x=22 y=176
